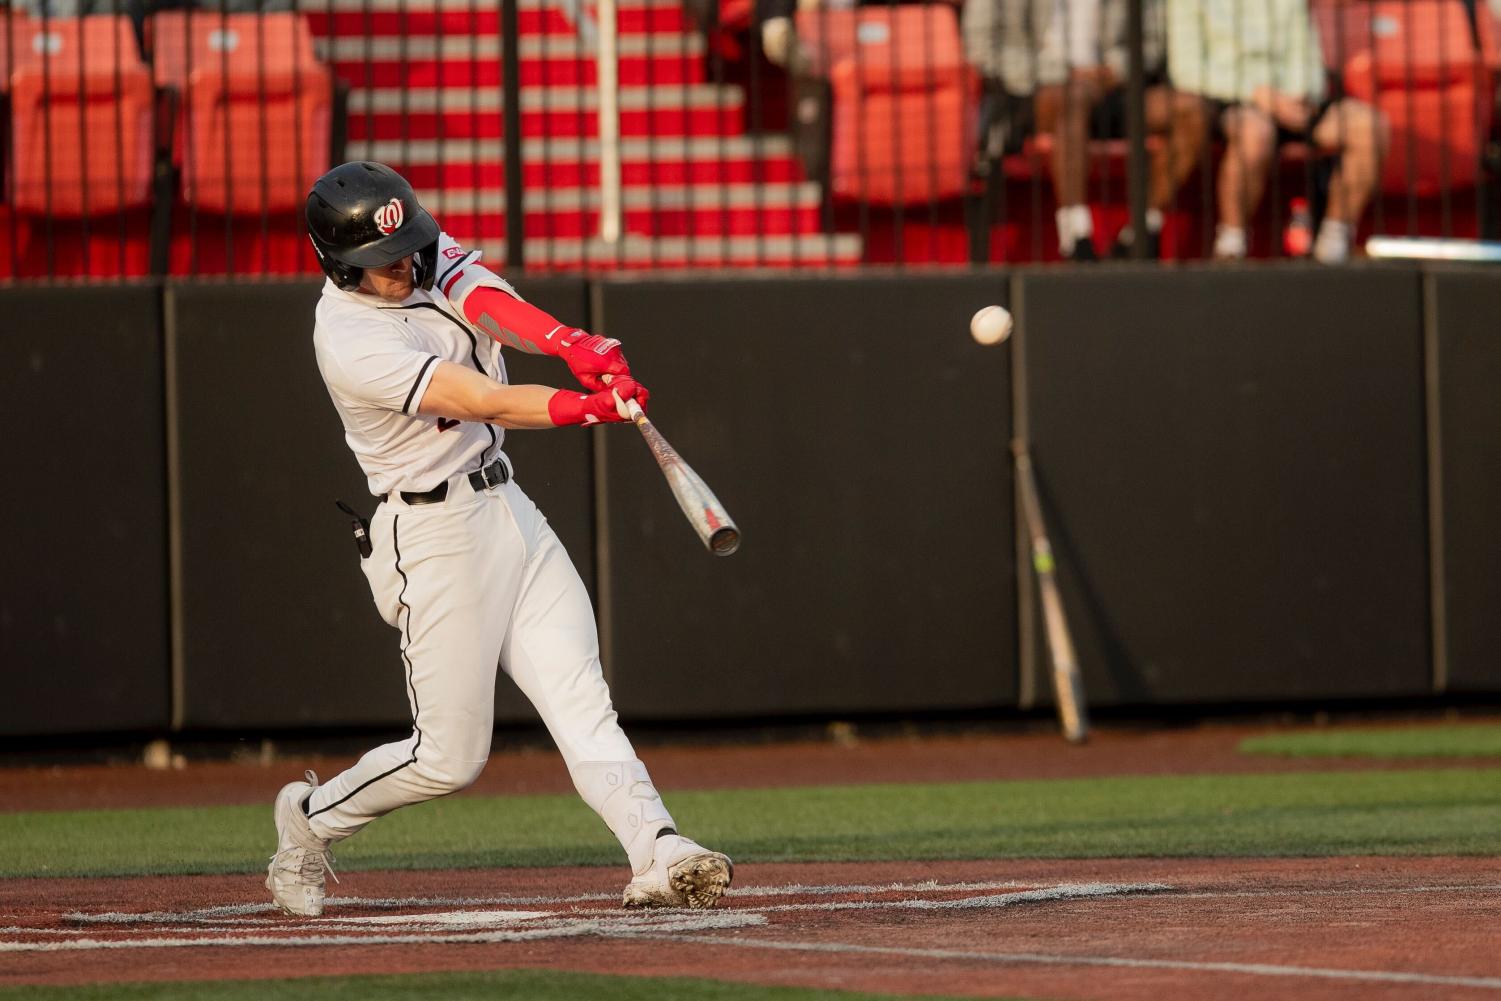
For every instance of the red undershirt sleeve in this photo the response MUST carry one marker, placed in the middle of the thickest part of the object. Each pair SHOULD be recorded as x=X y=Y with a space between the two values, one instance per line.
x=492 y=305
x=514 y=323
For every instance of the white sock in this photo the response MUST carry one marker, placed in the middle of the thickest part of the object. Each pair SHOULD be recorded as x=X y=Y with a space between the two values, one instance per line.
x=1229 y=242
x=1154 y=220
x=1063 y=219
x=1333 y=243
x=1074 y=224
x=621 y=792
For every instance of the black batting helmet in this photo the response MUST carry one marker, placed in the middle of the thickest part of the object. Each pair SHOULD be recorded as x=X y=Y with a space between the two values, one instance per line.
x=365 y=215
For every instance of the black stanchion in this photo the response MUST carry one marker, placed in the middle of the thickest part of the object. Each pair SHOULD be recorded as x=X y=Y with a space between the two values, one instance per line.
x=1136 y=128
x=510 y=31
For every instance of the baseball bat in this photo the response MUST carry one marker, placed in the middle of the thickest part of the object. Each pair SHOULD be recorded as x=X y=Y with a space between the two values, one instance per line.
x=1068 y=687
x=702 y=509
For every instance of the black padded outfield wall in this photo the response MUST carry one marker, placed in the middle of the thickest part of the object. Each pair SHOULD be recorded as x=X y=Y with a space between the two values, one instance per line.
x=1233 y=466
x=83 y=600
x=1234 y=462
x=276 y=624
x=858 y=436
x=1465 y=308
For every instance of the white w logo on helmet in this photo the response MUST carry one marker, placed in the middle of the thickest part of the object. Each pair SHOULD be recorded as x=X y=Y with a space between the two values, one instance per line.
x=389 y=216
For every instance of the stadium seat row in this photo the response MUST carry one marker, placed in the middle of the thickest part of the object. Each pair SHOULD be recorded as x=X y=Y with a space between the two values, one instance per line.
x=237 y=103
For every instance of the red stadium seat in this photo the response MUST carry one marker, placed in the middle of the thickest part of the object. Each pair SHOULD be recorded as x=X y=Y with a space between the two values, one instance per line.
x=1417 y=61
x=256 y=107
x=81 y=117
x=1488 y=29
x=903 y=100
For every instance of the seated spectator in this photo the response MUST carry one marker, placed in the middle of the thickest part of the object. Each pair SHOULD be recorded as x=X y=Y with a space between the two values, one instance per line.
x=778 y=31
x=776 y=28
x=1069 y=58
x=1259 y=66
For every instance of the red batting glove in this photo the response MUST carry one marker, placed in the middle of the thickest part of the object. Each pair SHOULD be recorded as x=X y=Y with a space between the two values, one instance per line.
x=590 y=356
x=567 y=407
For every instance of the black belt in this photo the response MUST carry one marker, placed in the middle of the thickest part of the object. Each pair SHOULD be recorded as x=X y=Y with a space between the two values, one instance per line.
x=492 y=475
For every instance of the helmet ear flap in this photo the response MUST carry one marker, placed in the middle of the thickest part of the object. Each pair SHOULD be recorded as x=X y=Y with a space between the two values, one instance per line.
x=345 y=276
x=425 y=266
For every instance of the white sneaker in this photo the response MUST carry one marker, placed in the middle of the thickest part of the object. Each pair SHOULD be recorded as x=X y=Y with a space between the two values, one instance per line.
x=1229 y=243
x=682 y=874
x=1332 y=245
x=295 y=875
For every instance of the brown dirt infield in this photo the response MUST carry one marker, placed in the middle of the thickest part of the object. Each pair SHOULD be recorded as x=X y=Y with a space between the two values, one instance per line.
x=1128 y=929
x=1120 y=929
x=1198 y=750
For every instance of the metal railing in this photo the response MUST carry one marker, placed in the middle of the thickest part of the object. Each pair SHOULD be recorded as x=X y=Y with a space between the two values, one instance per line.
x=149 y=138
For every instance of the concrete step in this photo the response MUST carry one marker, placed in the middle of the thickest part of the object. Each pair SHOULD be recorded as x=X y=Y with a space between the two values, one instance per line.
x=714 y=197
x=552 y=60
x=645 y=253
x=667 y=210
x=458 y=113
x=457 y=168
x=683 y=221
x=572 y=162
x=427 y=19
x=475 y=6
x=462 y=100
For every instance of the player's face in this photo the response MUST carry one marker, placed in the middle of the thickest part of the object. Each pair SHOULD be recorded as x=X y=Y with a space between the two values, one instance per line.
x=392 y=282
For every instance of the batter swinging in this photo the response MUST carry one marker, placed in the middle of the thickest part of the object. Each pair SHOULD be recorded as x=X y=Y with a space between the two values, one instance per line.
x=460 y=561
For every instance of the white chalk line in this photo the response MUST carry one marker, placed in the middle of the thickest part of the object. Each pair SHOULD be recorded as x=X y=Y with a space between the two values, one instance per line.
x=488 y=919
x=1069 y=891
x=543 y=924
x=1364 y=891
x=1064 y=891
x=377 y=903
x=1253 y=969
x=573 y=928
x=225 y=915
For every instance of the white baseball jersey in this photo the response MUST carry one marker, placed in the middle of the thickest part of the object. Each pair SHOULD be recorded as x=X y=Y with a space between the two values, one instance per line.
x=377 y=359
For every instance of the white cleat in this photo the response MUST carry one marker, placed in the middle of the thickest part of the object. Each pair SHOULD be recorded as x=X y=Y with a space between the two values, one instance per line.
x=682 y=874
x=295 y=876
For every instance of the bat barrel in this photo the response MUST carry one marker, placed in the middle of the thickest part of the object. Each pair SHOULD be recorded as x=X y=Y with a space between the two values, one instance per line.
x=724 y=541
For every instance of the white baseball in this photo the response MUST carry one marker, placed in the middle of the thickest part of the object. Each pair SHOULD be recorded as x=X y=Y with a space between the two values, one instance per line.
x=991 y=325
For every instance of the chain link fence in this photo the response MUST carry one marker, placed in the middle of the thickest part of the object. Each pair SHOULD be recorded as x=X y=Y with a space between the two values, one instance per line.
x=147 y=138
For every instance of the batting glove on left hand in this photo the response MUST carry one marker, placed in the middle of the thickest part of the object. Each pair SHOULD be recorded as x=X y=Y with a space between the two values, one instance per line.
x=567 y=407
x=590 y=356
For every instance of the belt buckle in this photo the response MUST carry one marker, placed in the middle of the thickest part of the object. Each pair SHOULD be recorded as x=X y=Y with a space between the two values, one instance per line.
x=484 y=475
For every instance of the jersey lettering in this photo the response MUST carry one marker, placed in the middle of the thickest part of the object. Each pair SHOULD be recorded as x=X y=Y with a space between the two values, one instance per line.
x=444 y=424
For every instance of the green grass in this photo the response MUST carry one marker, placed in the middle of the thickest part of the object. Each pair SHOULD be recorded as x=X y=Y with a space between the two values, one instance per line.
x=1450 y=741
x=1408 y=812
x=514 y=985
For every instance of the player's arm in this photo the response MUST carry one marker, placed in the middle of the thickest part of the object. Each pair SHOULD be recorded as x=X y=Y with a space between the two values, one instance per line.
x=494 y=307
x=462 y=394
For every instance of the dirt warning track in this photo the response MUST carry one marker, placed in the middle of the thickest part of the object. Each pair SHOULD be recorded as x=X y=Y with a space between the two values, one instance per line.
x=1135 y=929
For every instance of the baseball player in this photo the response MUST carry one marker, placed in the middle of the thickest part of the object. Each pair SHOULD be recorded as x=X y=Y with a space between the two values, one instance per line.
x=460 y=561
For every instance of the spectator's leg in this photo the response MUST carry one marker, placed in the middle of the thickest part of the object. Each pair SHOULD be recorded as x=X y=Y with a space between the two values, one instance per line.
x=1063 y=110
x=1250 y=139
x=1359 y=135
x=1179 y=118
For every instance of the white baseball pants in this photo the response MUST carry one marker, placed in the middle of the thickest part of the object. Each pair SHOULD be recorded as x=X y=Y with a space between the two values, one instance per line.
x=478 y=578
